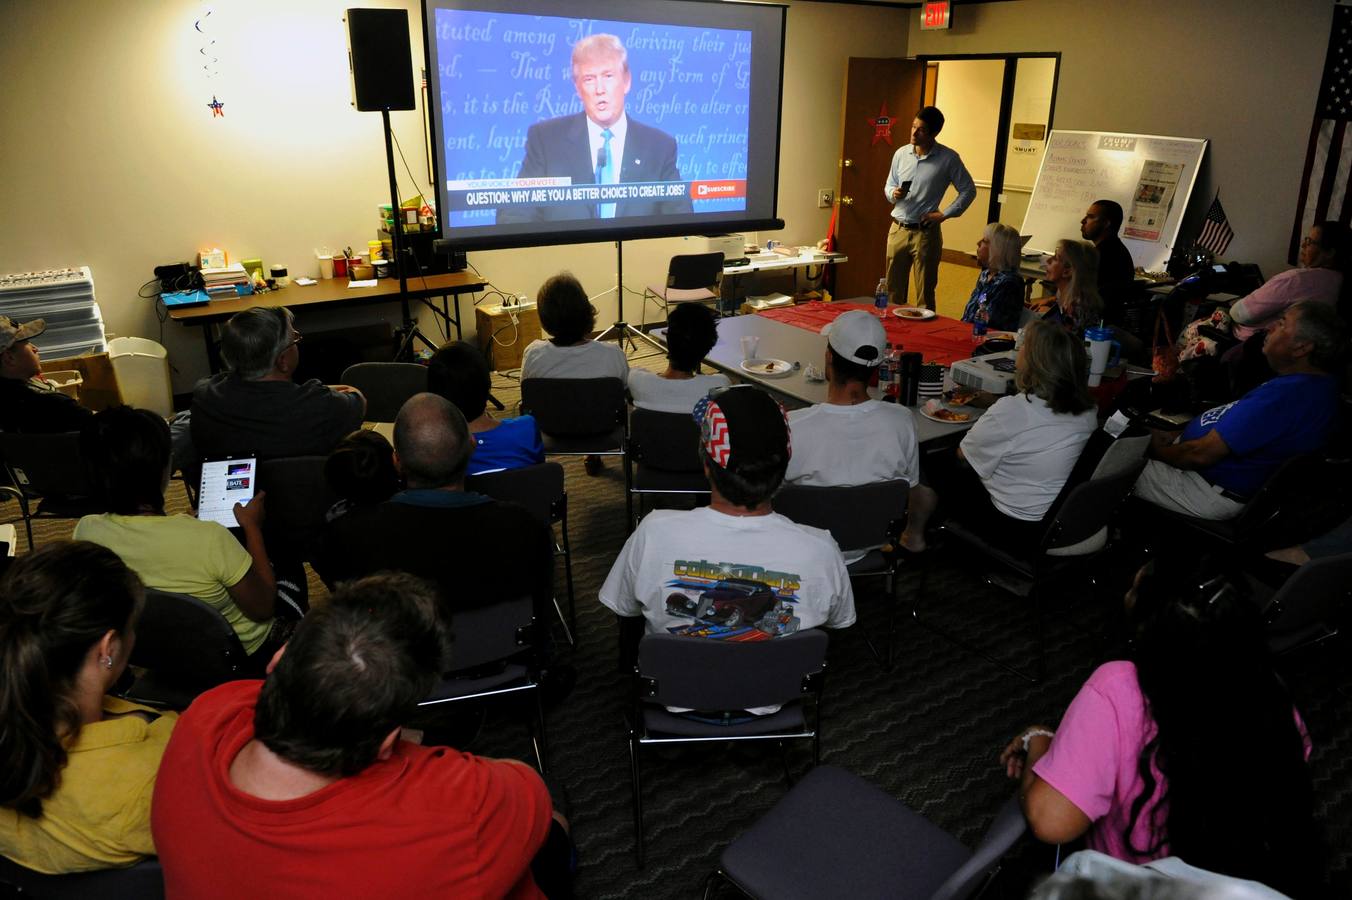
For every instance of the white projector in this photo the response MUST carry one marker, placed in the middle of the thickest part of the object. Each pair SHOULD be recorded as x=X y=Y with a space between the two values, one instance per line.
x=732 y=246
x=985 y=373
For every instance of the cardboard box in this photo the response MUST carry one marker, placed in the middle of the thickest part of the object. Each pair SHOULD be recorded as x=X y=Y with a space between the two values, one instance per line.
x=99 y=388
x=502 y=341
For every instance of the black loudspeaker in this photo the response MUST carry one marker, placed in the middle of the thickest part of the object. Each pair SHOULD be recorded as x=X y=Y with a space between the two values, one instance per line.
x=379 y=59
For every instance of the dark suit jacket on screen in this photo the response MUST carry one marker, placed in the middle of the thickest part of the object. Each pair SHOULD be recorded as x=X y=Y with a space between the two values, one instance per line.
x=560 y=146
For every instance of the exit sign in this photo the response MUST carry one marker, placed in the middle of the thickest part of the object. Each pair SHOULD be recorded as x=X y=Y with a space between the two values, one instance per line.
x=936 y=14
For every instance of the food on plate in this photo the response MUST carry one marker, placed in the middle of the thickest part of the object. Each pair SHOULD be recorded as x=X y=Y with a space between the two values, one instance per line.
x=949 y=415
x=961 y=397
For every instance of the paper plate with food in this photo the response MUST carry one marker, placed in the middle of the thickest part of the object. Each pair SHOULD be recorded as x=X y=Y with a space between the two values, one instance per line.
x=940 y=411
x=768 y=367
x=913 y=312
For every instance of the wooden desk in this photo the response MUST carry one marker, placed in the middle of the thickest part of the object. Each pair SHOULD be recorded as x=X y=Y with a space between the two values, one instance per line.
x=331 y=292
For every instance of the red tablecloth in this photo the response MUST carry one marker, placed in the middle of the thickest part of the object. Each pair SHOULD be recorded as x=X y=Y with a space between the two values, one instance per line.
x=941 y=339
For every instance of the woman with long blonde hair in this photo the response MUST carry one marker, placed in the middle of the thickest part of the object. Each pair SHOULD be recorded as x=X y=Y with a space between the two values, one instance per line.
x=1073 y=271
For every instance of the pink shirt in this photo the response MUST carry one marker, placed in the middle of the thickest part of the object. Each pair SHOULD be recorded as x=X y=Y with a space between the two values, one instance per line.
x=1093 y=761
x=1280 y=291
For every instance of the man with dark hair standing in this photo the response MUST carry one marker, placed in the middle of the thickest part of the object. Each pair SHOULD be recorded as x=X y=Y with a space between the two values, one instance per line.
x=852 y=439
x=921 y=172
x=477 y=550
x=1226 y=454
x=734 y=570
x=300 y=785
x=1099 y=226
x=255 y=406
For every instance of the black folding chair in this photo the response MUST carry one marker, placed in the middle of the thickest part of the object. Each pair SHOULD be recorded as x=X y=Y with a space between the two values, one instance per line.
x=664 y=455
x=539 y=488
x=860 y=517
x=47 y=477
x=850 y=840
x=185 y=647
x=1077 y=531
x=143 y=881
x=691 y=278
x=1300 y=491
x=580 y=417
x=494 y=656
x=386 y=385
x=701 y=674
x=298 y=497
x=1310 y=606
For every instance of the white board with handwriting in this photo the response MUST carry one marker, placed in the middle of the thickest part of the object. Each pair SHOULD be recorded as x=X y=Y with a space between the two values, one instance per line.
x=1151 y=176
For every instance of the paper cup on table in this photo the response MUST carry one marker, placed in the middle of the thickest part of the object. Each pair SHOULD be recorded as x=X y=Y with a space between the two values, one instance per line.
x=326 y=266
x=750 y=343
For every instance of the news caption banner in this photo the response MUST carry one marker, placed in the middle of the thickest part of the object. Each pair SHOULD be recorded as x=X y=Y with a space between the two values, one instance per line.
x=503 y=72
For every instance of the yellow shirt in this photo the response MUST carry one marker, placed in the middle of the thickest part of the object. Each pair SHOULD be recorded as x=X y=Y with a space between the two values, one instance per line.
x=99 y=815
x=182 y=555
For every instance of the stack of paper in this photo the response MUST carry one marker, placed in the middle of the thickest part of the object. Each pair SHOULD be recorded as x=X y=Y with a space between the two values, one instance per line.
x=225 y=278
x=769 y=301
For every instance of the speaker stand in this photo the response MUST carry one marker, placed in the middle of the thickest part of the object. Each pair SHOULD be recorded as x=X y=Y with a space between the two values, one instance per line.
x=621 y=330
x=408 y=331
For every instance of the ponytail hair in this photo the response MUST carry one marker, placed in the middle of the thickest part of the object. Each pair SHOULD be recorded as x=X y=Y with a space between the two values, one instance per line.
x=55 y=604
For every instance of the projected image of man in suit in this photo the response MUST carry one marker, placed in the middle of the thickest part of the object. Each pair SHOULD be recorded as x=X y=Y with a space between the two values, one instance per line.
x=600 y=145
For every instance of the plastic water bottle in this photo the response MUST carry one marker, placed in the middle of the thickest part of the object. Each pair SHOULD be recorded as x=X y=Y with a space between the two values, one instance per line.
x=880 y=297
x=886 y=374
x=894 y=365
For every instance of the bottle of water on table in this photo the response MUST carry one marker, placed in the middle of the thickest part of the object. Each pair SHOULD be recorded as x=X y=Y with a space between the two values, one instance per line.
x=886 y=374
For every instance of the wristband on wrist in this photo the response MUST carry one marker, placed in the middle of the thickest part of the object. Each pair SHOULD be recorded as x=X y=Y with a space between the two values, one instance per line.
x=1035 y=732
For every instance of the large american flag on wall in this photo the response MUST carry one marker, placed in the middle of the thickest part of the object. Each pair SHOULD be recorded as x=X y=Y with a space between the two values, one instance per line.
x=1325 y=189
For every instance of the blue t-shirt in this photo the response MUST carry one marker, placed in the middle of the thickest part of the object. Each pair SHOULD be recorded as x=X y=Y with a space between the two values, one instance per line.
x=1281 y=418
x=514 y=444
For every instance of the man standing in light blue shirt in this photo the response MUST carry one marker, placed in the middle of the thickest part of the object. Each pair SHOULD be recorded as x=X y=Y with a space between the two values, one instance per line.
x=921 y=173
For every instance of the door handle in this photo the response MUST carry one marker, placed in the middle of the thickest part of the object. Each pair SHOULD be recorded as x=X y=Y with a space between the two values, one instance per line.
x=847 y=163
x=846 y=200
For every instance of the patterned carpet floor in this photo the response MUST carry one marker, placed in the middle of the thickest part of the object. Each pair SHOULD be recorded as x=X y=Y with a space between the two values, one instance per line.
x=927 y=732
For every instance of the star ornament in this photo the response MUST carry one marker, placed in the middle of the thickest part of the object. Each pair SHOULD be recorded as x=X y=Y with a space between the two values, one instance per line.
x=882 y=126
x=217 y=107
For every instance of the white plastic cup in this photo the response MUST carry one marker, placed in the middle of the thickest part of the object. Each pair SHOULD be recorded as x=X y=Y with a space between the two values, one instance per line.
x=326 y=265
x=1099 y=342
x=749 y=345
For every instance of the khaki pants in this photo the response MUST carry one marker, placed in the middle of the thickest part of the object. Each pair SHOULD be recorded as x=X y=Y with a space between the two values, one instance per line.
x=913 y=252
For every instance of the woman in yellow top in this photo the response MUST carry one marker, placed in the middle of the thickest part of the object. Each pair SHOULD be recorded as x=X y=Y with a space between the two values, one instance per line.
x=127 y=452
x=77 y=767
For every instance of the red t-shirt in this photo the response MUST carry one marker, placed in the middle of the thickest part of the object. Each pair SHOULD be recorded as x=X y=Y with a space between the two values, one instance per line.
x=428 y=821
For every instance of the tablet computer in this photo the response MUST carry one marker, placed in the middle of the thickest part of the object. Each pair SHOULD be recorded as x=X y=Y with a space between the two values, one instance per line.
x=225 y=482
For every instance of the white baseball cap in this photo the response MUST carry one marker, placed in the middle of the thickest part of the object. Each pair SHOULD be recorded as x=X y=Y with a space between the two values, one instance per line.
x=858 y=336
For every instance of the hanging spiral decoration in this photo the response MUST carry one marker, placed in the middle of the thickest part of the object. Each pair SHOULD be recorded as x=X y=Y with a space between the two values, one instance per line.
x=207 y=50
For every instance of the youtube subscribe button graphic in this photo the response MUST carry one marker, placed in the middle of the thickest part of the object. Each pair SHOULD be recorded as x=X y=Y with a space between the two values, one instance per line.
x=717 y=190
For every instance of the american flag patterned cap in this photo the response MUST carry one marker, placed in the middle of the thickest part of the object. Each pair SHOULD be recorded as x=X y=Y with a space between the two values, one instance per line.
x=742 y=425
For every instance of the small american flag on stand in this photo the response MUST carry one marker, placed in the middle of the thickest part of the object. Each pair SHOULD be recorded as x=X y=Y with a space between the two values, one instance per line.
x=1216 y=231
x=1325 y=190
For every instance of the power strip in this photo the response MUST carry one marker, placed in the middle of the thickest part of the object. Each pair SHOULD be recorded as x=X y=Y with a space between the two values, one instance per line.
x=499 y=309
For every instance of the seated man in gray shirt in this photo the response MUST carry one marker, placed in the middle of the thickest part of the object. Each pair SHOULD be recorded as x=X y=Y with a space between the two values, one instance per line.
x=255 y=406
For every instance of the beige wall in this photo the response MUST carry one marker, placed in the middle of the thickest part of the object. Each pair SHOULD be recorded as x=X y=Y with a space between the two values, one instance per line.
x=111 y=159
x=969 y=89
x=1243 y=74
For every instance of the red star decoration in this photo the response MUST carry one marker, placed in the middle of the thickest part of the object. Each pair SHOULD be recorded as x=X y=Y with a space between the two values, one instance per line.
x=882 y=126
x=218 y=108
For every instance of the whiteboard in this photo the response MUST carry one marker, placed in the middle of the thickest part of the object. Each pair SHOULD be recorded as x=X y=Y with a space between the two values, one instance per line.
x=1080 y=167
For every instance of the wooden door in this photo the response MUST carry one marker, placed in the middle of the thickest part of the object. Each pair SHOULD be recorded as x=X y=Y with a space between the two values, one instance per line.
x=874 y=89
